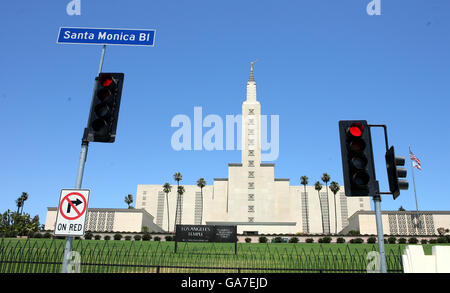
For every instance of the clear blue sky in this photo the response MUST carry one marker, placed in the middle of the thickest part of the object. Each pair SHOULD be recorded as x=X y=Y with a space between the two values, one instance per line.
x=319 y=61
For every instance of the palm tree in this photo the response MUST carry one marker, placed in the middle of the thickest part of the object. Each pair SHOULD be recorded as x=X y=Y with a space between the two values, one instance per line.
x=201 y=183
x=19 y=204
x=318 y=187
x=167 y=188
x=334 y=187
x=178 y=177
x=304 y=182
x=180 y=191
x=24 y=197
x=129 y=200
x=326 y=178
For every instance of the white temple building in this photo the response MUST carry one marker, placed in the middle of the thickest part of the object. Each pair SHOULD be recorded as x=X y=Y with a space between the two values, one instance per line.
x=252 y=197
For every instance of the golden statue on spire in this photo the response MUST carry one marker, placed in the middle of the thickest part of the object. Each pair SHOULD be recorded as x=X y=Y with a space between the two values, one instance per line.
x=251 y=66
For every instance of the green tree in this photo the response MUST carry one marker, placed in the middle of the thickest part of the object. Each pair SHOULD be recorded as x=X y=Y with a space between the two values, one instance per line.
x=334 y=187
x=23 y=198
x=318 y=187
x=178 y=216
x=201 y=183
x=129 y=200
x=326 y=178
x=304 y=182
x=178 y=177
x=167 y=188
x=19 y=203
x=12 y=224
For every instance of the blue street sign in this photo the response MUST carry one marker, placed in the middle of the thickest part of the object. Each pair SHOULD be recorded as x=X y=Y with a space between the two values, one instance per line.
x=106 y=36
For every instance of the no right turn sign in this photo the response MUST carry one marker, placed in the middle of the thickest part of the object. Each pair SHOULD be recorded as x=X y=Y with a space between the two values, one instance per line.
x=71 y=214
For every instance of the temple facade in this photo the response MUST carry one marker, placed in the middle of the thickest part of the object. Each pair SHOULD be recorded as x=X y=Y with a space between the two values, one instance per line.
x=252 y=197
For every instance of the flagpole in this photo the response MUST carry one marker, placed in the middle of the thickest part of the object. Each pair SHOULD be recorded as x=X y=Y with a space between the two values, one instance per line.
x=414 y=184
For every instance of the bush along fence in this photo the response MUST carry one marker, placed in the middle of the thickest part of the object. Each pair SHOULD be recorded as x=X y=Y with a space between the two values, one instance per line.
x=45 y=256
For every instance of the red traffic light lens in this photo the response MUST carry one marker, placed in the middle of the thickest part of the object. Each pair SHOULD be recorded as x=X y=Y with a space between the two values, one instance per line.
x=107 y=82
x=356 y=129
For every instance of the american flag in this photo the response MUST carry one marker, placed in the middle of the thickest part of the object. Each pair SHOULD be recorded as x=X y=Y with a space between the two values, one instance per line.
x=416 y=161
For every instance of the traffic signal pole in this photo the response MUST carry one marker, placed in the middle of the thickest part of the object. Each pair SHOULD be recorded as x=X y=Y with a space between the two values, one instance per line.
x=79 y=180
x=378 y=218
x=380 y=234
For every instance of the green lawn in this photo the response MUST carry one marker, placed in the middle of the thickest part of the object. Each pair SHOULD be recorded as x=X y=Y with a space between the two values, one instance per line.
x=45 y=255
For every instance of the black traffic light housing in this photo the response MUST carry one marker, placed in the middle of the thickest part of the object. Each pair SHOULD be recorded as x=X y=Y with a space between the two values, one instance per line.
x=394 y=173
x=104 y=113
x=357 y=158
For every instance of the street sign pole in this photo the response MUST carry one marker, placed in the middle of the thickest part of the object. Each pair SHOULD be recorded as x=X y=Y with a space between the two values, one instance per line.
x=80 y=172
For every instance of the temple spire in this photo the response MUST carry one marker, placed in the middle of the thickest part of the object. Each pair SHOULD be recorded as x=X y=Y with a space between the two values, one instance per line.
x=251 y=78
x=251 y=85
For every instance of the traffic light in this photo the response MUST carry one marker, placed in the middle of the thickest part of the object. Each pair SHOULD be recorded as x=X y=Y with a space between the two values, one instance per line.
x=102 y=123
x=395 y=185
x=357 y=158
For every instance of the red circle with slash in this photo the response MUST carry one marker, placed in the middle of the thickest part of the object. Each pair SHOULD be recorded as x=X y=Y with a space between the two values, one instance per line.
x=66 y=198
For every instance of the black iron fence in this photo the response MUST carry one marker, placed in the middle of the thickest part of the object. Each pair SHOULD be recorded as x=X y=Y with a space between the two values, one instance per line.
x=45 y=256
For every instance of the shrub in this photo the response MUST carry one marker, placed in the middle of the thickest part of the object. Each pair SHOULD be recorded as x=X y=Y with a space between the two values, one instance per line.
x=293 y=240
x=137 y=237
x=97 y=237
x=371 y=240
x=37 y=235
x=442 y=240
x=248 y=240
x=107 y=237
x=423 y=241
x=157 y=238
x=432 y=241
x=356 y=240
x=309 y=240
x=117 y=236
x=413 y=240
x=325 y=239
x=47 y=235
x=146 y=236
x=402 y=241
x=353 y=233
x=392 y=240
x=88 y=235
x=128 y=237
x=277 y=240
x=168 y=238
x=262 y=239
x=340 y=240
